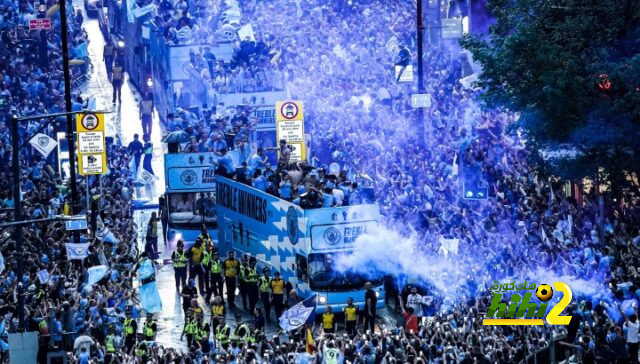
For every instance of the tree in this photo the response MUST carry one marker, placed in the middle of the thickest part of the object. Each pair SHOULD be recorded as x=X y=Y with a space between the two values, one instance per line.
x=571 y=68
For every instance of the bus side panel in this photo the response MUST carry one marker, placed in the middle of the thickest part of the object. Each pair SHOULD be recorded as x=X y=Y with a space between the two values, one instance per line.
x=254 y=222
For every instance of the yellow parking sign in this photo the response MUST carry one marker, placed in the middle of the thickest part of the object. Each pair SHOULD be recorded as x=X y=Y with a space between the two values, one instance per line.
x=92 y=151
x=290 y=127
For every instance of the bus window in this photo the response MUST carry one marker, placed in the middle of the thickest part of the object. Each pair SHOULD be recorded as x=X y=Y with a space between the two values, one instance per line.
x=301 y=264
x=192 y=208
x=323 y=276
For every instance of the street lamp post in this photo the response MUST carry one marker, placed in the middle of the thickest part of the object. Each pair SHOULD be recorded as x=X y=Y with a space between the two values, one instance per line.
x=420 y=111
x=67 y=99
x=17 y=204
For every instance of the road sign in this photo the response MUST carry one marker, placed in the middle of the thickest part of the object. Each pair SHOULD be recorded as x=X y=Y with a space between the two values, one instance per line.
x=38 y=24
x=420 y=100
x=92 y=153
x=290 y=127
x=76 y=222
x=451 y=28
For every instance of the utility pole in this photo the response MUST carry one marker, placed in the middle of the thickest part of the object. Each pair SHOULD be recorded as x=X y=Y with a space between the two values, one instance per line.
x=420 y=110
x=67 y=99
x=17 y=204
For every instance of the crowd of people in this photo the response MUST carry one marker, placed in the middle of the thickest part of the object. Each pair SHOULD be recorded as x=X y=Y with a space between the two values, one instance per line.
x=525 y=225
x=418 y=181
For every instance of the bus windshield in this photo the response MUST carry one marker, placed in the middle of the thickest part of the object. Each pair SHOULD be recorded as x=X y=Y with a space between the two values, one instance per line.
x=323 y=276
x=192 y=209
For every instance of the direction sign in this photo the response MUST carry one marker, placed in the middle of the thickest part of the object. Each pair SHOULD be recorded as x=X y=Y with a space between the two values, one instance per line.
x=76 y=222
x=38 y=24
x=451 y=28
x=420 y=100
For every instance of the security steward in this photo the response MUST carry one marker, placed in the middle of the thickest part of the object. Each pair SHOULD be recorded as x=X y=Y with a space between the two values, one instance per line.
x=241 y=333
x=328 y=321
x=150 y=328
x=251 y=279
x=189 y=328
x=130 y=327
x=231 y=271
x=142 y=351
x=223 y=331
x=277 y=289
x=215 y=277
x=201 y=335
x=206 y=275
x=244 y=265
x=350 y=317
x=264 y=284
x=195 y=263
x=110 y=344
x=217 y=311
x=205 y=237
x=180 y=260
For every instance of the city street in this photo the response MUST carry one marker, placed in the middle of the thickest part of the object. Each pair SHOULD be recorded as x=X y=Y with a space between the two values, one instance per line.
x=123 y=123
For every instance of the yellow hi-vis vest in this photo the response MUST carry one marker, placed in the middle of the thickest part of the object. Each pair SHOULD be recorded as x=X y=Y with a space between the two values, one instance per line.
x=206 y=257
x=181 y=260
x=265 y=284
x=190 y=328
x=128 y=328
x=200 y=333
x=222 y=333
x=217 y=310
x=216 y=267
x=251 y=275
x=148 y=330
x=108 y=343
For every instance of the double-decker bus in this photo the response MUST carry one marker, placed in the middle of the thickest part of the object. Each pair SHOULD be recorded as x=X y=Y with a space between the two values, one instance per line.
x=301 y=244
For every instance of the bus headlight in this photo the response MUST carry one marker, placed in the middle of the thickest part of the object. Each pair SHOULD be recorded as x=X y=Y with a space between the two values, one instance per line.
x=377 y=294
x=322 y=299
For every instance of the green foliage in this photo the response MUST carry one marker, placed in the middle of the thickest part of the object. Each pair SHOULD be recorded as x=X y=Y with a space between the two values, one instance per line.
x=546 y=59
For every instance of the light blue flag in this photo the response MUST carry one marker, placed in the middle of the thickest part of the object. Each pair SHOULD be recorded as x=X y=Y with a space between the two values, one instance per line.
x=298 y=315
x=148 y=290
x=4 y=346
x=77 y=251
x=80 y=51
x=96 y=273
x=43 y=276
x=1 y=263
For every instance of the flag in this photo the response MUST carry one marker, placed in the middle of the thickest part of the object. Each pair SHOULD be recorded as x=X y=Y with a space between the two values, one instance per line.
x=311 y=345
x=449 y=246
x=96 y=273
x=148 y=290
x=1 y=262
x=551 y=197
x=454 y=165
x=80 y=51
x=145 y=177
x=570 y=225
x=77 y=251
x=545 y=238
x=43 y=144
x=299 y=314
x=43 y=276
x=104 y=234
